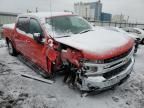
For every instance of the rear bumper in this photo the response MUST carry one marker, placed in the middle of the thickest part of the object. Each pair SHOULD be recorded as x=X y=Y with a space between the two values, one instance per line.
x=98 y=83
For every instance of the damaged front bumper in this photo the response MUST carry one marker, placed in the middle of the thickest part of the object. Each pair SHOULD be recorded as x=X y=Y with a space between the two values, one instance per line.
x=100 y=82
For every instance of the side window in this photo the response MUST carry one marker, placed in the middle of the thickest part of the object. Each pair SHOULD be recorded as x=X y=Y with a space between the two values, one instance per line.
x=34 y=27
x=136 y=31
x=23 y=24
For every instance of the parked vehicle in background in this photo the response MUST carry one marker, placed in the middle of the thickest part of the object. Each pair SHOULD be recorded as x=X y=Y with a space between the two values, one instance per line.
x=0 y=31
x=100 y=58
x=140 y=26
x=134 y=36
x=139 y=32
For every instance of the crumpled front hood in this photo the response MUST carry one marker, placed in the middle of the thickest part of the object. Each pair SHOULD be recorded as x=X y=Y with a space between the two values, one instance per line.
x=99 y=44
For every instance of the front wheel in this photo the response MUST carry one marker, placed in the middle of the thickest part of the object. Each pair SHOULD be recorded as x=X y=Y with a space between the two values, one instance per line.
x=11 y=49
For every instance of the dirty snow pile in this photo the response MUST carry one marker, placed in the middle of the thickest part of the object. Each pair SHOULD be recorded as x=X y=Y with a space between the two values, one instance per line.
x=19 y=92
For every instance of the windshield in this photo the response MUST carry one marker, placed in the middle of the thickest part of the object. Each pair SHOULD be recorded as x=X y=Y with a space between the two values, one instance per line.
x=66 y=25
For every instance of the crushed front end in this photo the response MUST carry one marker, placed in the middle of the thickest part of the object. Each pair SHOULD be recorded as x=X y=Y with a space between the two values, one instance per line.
x=104 y=74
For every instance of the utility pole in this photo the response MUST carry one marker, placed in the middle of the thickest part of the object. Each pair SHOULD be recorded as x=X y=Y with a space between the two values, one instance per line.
x=127 y=19
x=86 y=13
x=36 y=9
x=121 y=18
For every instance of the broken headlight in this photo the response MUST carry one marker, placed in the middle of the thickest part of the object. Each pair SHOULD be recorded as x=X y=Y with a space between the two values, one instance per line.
x=90 y=68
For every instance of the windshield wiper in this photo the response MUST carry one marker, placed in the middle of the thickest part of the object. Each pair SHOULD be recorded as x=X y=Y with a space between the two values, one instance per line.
x=84 y=31
x=63 y=36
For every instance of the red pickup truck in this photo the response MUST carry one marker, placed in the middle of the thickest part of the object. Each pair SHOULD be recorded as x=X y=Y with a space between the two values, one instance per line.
x=100 y=58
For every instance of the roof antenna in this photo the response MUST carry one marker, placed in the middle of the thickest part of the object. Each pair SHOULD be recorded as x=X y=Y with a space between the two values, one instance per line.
x=51 y=18
x=36 y=9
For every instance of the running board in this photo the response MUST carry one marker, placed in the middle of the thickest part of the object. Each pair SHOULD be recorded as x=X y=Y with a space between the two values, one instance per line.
x=37 y=78
x=33 y=66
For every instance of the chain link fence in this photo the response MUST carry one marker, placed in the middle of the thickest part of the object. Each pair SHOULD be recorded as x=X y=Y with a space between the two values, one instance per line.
x=116 y=24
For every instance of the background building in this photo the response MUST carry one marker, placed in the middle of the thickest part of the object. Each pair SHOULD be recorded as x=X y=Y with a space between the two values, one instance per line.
x=82 y=9
x=90 y=11
x=106 y=17
x=7 y=17
x=119 y=19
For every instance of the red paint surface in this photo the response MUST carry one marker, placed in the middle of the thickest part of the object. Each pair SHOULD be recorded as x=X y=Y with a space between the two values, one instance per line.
x=111 y=53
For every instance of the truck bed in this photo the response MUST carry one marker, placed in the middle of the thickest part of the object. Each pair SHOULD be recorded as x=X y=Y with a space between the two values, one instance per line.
x=8 y=30
x=9 y=26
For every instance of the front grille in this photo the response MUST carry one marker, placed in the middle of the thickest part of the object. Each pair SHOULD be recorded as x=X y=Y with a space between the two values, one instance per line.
x=118 y=57
x=116 y=71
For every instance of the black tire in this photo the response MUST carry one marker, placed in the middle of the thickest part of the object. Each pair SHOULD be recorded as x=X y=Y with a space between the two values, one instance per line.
x=12 y=51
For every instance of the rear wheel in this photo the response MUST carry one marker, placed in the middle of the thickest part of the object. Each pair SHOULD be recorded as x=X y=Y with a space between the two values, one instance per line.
x=12 y=51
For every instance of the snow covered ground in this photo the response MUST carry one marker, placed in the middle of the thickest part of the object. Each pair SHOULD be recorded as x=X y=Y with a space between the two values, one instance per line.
x=19 y=92
x=2 y=43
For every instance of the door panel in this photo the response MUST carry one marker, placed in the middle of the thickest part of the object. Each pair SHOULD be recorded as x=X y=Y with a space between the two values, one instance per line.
x=21 y=34
x=36 y=50
x=39 y=54
x=20 y=40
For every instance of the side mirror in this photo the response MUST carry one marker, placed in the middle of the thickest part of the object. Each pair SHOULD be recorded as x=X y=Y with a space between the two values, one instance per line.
x=37 y=37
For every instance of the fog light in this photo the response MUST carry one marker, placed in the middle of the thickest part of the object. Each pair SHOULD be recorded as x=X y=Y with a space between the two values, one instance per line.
x=91 y=68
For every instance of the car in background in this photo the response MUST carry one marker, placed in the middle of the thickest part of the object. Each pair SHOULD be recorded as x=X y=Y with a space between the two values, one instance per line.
x=137 y=31
x=140 y=26
x=134 y=36
x=0 y=31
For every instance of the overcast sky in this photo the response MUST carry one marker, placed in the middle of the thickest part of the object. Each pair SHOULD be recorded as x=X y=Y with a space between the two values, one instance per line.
x=132 y=8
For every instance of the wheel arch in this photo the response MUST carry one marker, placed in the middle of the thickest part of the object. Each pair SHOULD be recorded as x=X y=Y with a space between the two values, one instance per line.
x=13 y=43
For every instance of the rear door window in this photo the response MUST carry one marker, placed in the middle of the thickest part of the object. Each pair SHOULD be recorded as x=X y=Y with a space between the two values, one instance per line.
x=23 y=24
